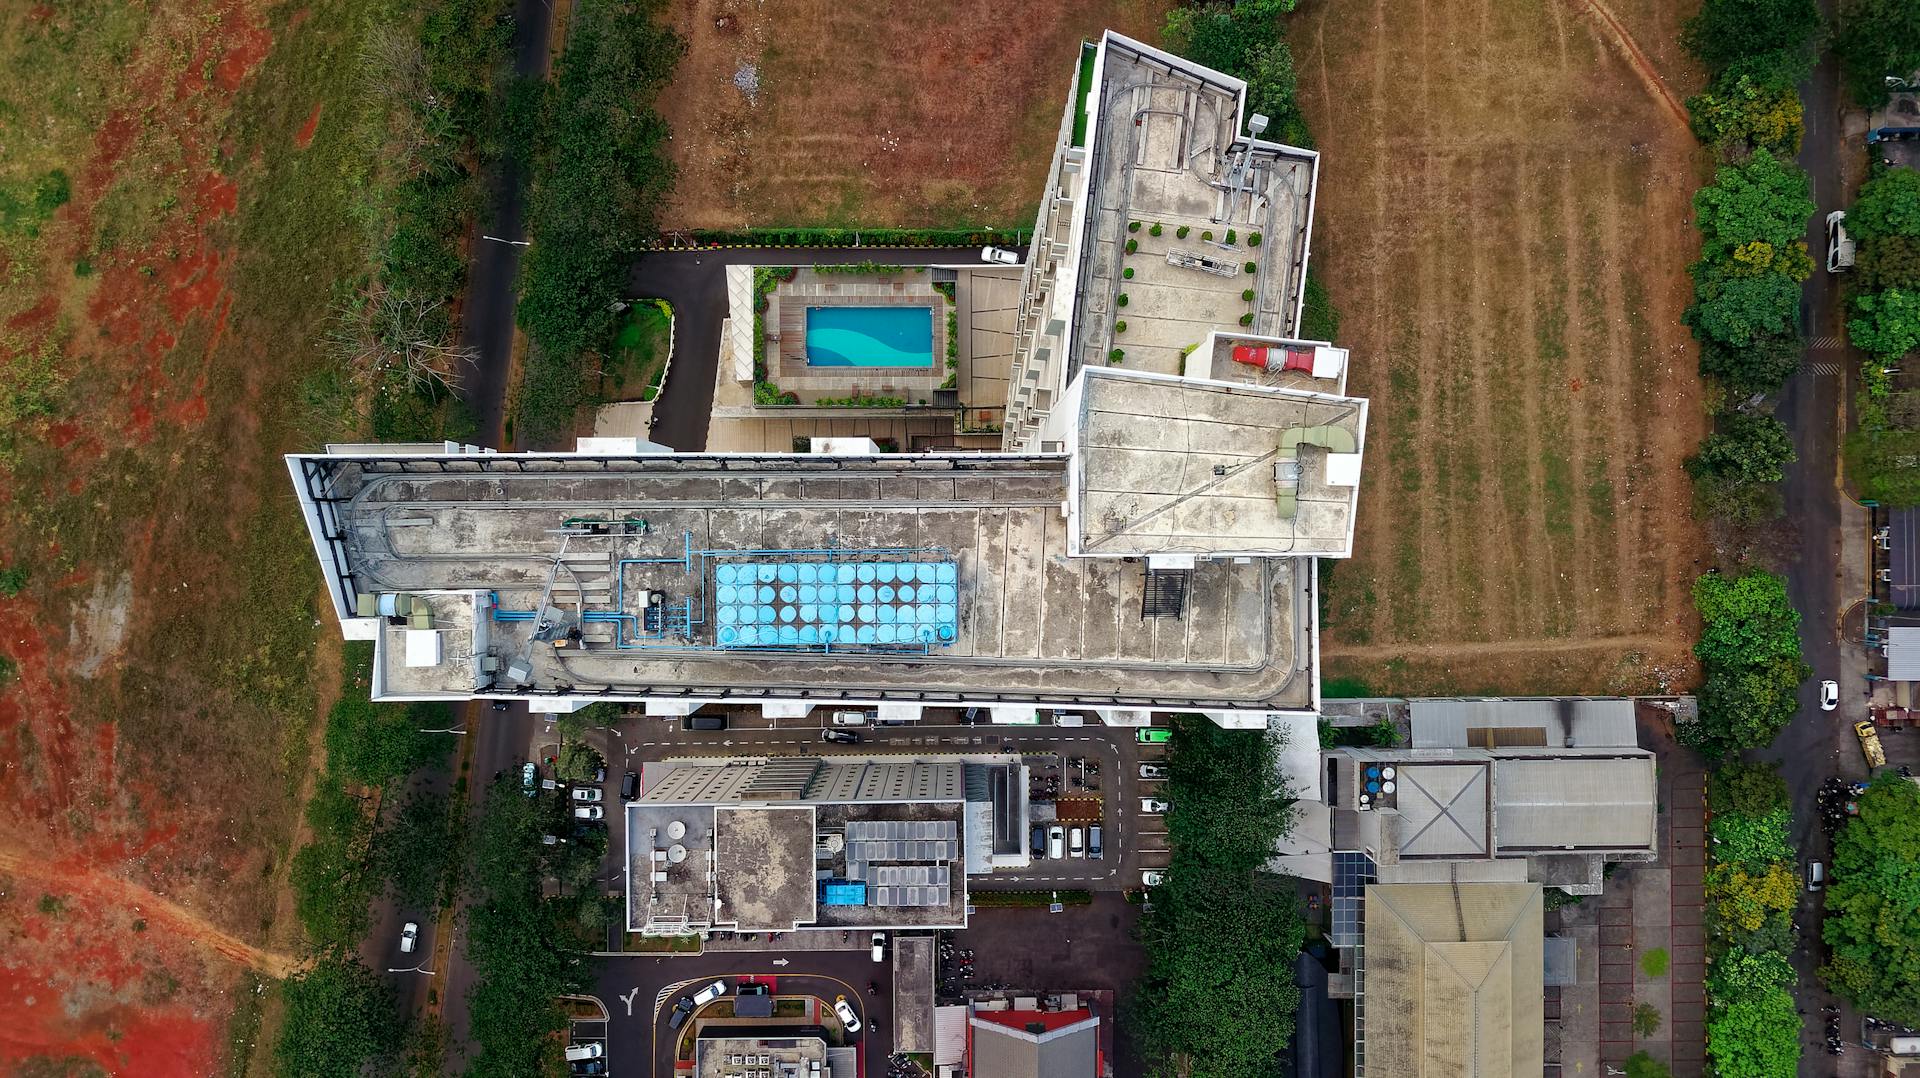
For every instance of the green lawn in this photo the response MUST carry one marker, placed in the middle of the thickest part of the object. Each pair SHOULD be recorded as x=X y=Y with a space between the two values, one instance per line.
x=640 y=353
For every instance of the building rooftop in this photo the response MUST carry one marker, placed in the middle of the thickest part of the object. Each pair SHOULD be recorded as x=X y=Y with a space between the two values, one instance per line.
x=1554 y=723
x=1170 y=147
x=1175 y=466
x=764 y=1057
x=630 y=553
x=763 y=868
x=1035 y=1044
x=1453 y=981
x=1270 y=362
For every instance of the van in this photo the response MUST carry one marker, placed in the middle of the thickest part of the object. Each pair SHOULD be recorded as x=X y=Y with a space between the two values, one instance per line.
x=1093 y=842
x=1076 y=843
x=592 y=1050
x=1816 y=875
x=1056 y=842
x=709 y=993
x=1839 y=245
x=1039 y=841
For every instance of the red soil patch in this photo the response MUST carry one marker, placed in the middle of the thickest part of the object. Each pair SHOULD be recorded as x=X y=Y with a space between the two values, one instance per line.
x=304 y=137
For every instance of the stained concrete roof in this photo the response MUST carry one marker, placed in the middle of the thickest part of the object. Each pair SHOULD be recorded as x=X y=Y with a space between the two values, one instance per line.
x=763 y=867
x=1453 y=984
x=1165 y=465
x=1443 y=810
x=1033 y=624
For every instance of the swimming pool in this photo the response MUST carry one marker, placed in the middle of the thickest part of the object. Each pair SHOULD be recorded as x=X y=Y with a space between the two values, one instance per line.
x=869 y=336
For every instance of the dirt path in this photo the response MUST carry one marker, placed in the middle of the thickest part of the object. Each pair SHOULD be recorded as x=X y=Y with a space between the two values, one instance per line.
x=1642 y=66
x=158 y=910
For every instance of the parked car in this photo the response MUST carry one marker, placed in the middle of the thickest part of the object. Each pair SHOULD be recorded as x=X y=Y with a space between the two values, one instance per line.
x=840 y=737
x=973 y=716
x=1153 y=735
x=709 y=993
x=845 y=1014
x=593 y=1050
x=879 y=946
x=529 y=779
x=409 y=936
x=588 y=1067
x=1056 y=841
x=680 y=1012
x=706 y=722
x=1152 y=878
x=629 y=787
x=1077 y=842
x=1829 y=695
x=1153 y=771
x=500 y=705
x=849 y=718
x=1093 y=842
x=589 y=812
x=600 y=775
x=1039 y=840
x=586 y=793
x=1000 y=256
x=1816 y=875
x=1152 y=804
x=1839 y=244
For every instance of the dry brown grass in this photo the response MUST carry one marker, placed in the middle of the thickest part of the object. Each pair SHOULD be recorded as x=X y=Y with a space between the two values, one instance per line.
x=876 y=113
x=1503 y=222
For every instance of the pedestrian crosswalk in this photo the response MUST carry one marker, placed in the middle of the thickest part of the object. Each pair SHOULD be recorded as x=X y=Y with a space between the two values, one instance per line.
x=1826 y=344
x=1824 y=370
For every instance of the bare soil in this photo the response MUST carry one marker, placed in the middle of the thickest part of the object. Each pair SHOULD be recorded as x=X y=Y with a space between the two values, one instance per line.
x=1504 y=224
x=875 y=113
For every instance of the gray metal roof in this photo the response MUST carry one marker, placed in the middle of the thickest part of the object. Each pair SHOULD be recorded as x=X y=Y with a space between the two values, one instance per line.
x=1552 y=722
x=1068 y=1052
x=1903 y=653
x=1579 y=803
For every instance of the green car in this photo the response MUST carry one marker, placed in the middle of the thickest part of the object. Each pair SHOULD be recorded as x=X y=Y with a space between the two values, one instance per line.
x=1152 y=736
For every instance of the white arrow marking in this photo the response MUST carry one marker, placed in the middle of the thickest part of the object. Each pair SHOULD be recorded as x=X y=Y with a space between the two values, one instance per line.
x=779 y=961
x=628 y=999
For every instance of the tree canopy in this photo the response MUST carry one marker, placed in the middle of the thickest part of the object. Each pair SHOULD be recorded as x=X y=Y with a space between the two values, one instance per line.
x=1872 y=923
x=1756 y=1036
x=1771 y=40
x=1874 y=39
x=1763 y=199
x=1889 y=205
x=1741 y=309
x=1750 y=651
x=1887 y=324
x=341 y=1019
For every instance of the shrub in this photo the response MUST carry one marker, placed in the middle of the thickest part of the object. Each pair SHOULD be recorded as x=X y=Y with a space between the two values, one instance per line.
x=1246 y=319
x=1247 y=295
x=1133 y=226
x=1121 y=299
x=1253 y=239
x=1251 y=267
x=1181 y=231
x=1207 y=236
x=1120 y=326
x=1132 y=246
x=1127 y=274
x=1646 y=1020
x=1116 y=356
x=1155 y=230
x=1231 y=235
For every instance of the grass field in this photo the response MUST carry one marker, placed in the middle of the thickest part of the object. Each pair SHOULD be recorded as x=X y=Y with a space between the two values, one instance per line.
x=875 y=114
x=1503 y=223
x=156 y=357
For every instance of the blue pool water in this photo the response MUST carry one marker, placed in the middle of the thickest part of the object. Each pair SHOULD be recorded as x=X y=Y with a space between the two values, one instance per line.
x=869 y=336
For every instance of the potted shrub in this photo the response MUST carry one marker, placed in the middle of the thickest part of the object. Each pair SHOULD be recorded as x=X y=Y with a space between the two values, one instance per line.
x=1132 y=246
x=1247 y=295
x=1122 y=300
x=1181 y=232
x=1230 y=235
x=1120 y=326
x=1207 y=235
x=1253 y=239
x=1116 y=356
x=1246 y=319
x=1251 y=267
x=1155 y=230
x=1133 y=226
x=1127 y=274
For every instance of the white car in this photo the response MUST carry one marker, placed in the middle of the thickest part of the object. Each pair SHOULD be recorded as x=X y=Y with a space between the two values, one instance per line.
x=1152 y=771
x=1000 y=255
x=409 y=937
x=1152 y=804
x=845 y=1014
x=588 y=812
x=1152 y=878
x=879 y=946
x=1056 y=841
x=580 y=1053
x=1840 y=246
x=709 y=993
x=585 y=793
x=1829 y=695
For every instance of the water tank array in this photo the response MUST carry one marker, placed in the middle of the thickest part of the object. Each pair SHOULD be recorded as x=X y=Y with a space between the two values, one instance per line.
x=839 y=604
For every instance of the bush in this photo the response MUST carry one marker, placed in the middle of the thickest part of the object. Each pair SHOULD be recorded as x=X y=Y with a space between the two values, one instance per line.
x=1120 y=300
x=1247 y=295
x=1133 y=226
x=1120 y=326
x=1155 y=230
x=1251 y=267
x=1253 y=239
x=1127 y=274
x=1132 y=246
x=1181 y=232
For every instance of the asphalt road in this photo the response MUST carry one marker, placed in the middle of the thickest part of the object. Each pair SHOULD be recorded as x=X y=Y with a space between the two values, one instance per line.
x=639 y=993
x=488 y=314
x=695 y=283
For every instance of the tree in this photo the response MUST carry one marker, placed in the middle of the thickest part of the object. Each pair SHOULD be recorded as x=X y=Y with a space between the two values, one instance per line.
x=1737 y=973
x=1748 y=789
x=1750 y=650
x=1742 y=901
x=1743 y=707
x=372 y=744
x=1872 y=923
x=1749 y=619
x=1888 y=262
x=1646 y=1020
x=1738 y=309
x=1889 y=205
x=1876 y=38
x=1742 y=111
x=1747 y=448
x=1752 y=841
x=577 y=762
x=1760 y=366
x=413 y=851
x=1769 y=39
x=1755 y=1037
x=1642 y=1065
x=341 y=1020
x=1763 y=199
x=1888 y=325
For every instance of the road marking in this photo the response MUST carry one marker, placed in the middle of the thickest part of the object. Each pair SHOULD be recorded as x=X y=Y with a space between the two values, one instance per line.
x=628 y=999
x=1819 y=344
x=1826 y=370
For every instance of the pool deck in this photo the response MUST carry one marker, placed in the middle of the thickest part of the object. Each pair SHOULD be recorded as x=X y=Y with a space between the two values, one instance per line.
x=786 y=320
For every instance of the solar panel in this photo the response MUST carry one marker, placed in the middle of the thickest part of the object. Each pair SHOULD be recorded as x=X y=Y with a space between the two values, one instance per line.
x=1352 y=872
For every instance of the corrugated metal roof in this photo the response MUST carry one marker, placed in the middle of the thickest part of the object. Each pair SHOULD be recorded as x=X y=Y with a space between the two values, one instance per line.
x=1903 y=653
x=1564 y=721
x=1903 y=558
x=1593 y=803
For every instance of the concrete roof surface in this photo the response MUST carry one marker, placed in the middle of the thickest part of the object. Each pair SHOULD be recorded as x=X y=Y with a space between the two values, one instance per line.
x=1579 y=802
